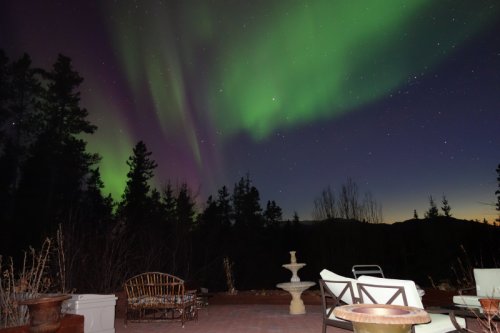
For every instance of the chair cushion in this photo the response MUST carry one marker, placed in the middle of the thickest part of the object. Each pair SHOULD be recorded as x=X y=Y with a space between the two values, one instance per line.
x=161 y=300
x=409 y=286
x=487 y=281
x=337 y=288
x=439 y=323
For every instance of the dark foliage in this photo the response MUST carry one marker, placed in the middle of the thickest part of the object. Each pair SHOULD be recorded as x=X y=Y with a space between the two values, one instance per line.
x=433 y=211
x=47 y=179
x=497 y=193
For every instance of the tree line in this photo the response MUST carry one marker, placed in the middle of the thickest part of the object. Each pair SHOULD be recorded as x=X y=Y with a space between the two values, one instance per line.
x=49 y=181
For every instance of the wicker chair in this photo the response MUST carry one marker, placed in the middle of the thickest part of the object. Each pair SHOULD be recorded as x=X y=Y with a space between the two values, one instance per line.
x=154 y=296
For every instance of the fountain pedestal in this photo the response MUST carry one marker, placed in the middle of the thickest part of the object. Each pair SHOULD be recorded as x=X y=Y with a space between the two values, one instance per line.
x=295 y=287
x=294 y=268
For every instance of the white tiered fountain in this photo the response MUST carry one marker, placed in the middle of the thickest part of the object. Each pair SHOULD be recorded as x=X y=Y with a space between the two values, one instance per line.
x=295 y=287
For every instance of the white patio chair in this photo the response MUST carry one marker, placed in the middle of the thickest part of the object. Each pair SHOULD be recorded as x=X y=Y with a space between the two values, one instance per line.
x=336 y=290
x=376 y=270
x=374 y=290
x=358 y=270
x=487 y=285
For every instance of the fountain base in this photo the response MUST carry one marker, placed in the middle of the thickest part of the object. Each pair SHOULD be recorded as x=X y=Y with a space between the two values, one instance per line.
x=296 y=289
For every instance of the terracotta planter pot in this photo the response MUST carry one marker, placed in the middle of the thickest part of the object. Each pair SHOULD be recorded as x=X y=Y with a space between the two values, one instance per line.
x=45 y=313
x=489 y=305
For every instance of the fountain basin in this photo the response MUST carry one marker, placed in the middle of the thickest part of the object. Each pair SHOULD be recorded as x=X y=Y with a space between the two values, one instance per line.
x=296 y=266
x=295 y=286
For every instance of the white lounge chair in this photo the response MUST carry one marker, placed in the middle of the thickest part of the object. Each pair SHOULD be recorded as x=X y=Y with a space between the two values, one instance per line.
x=487 y=285
x=336 y=290
x=374 y=290
x=376 y=270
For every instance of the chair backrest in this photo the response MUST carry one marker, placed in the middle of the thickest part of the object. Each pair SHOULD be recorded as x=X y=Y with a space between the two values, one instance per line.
x=330 y=301
x=330 y=298
x=341 y=287
x=358 y=270
x=487 y=281
x=384 y=290
x=377 y=294
x=154 y=284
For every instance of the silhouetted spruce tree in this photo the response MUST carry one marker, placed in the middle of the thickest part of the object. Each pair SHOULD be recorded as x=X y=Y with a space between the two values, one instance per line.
x=54 y=174
x=273 y=213
x=137 y=211
x=5 y=93
x=224 y=216
x=207 y=241
x=182 y=235
x=415 y=215
x=19 y=123
x=96 y=209
x=87 y=238
x=163 y=226
x=157 y=210
x=247 y=231
x=185 y=207
x=154 y=233
x=433 y=211
x=216 y=219
x=446 y=207
x=168 y=200
x=213 y=240
x=137 y=193
x=247 y=210
x=497 y=192
x=5 y=164
x=224 y=208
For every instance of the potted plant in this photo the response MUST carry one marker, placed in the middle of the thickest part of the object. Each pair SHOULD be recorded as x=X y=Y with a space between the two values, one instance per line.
x=23 y=293
x=490 y=305
x=45 y=312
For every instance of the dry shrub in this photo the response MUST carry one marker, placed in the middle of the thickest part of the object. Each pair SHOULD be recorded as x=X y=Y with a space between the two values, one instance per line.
x=28 y=282
x=489 y=324
x=464 y=275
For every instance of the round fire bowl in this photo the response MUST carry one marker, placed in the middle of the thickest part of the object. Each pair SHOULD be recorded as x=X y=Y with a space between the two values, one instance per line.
x=382 y=314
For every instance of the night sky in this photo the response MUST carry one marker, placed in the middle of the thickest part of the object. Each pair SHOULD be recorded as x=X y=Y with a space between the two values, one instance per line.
x=401 y=96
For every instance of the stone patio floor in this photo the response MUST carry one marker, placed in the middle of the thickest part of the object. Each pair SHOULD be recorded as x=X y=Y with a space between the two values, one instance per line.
x=245 y=318
x=237 y=318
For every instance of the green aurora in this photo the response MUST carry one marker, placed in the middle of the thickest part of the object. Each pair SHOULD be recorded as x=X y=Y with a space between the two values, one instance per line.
x=256 y=67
